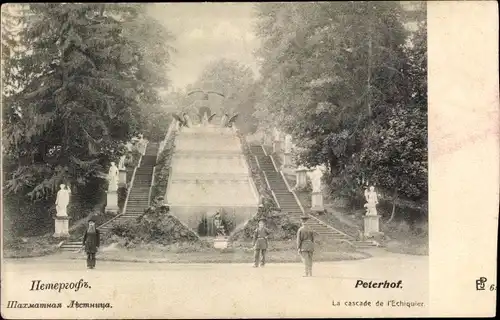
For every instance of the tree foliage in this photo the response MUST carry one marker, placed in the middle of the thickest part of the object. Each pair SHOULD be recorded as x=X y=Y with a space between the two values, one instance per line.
x=348 y=81
x=237 y=83
x=84 y=77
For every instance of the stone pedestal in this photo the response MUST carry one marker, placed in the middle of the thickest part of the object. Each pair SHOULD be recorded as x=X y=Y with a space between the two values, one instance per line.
x=372 y=226
x=220 y=242
x=287 y=160
x=317 y=201
x=276 y=146
x=301 y=178
x=122 y=178
x=112 y=202
x=61 y=227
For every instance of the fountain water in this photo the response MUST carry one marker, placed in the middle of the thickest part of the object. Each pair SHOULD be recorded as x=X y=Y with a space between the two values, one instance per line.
x=209 y=173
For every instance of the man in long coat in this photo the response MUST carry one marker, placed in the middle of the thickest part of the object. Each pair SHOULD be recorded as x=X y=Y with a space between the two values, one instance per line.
x=91 y=241
x=260 y=244
x=305 y=245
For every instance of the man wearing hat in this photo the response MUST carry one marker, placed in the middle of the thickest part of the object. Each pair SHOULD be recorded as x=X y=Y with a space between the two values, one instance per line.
x=305 y=245
x=260 y=243
x=91 y=241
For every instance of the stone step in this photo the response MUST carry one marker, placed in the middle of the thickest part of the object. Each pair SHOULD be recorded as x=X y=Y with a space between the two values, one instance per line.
x=327 y=234
x=72 y=244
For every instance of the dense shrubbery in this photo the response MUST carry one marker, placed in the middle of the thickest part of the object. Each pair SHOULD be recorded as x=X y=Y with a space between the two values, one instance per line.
x=30 y=247
x=162 y=172
x=69 y=104
x=78 y=229
x=280 y=225
x=155 y=225
x=26 y=218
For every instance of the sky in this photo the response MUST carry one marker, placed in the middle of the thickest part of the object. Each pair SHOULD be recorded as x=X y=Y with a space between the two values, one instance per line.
x=205 y=32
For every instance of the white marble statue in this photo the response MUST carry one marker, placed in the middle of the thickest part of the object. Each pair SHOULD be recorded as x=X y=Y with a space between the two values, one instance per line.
x=62 y=200
x=121 y=164
x=276 y=134
x=205 y=119
x=129 y=146
x=288 y=143
x=223 y=120
x=188 y=120
x=142 y=145
x=113 y=176
x=315 y=177
x=371 y=201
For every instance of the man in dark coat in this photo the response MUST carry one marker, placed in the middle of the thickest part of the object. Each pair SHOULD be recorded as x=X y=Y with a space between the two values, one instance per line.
x=91 y=241
x=260 y=237
x=305 y=245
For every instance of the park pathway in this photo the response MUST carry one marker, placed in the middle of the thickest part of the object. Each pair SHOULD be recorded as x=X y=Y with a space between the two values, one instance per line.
x=163 y=290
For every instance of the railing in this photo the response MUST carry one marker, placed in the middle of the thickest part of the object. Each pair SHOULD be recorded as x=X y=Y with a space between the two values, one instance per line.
x=151 y=186
x=124 y=210
x=161 y=147
x=272 y=192
x=169 y=182
x=264 y=149
x=272 y=159
x=167 y=136
x=310 y=215
x=293 y=193
x=257 y=161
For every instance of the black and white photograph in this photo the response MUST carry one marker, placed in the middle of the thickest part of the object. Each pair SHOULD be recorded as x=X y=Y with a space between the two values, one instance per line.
x=216 y=160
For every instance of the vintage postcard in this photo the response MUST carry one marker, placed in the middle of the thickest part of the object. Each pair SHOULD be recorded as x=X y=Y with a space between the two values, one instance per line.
x=249 y=160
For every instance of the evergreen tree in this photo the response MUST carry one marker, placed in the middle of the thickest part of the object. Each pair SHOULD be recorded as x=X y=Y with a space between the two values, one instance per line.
x=87 y=75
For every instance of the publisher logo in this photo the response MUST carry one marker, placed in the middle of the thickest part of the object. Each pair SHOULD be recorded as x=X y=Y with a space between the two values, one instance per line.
x=481 y=284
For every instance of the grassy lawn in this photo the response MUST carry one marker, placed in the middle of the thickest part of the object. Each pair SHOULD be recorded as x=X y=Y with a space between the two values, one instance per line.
x=241 y=252
x=419 y=247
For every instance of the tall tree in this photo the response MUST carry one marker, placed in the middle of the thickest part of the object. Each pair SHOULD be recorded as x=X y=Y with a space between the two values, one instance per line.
x=237 y=83
x=86 y=75
x=332 y=75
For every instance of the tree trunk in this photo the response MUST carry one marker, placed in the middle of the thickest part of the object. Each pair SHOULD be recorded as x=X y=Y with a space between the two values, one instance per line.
x=368 y=80
x=394 y=198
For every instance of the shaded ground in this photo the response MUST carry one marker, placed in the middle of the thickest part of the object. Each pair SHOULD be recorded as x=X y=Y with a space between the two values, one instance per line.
x=278 y=252
x=140 y=290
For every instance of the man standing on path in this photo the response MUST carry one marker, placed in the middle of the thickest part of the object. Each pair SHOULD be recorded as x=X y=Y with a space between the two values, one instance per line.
x=91 y=242
x=305 y=245
x=260 y=243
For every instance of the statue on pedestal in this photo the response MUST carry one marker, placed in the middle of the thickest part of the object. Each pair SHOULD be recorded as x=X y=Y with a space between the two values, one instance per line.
x=205 y=119
x=223 y=120
x=219 y=227
x=372 y=201
x=276 y=134
x=121 y=164
x=142 y=145
x=187 y=120
x=315 y=177
x=113 y=177
x=288 y=143
x=62 y=200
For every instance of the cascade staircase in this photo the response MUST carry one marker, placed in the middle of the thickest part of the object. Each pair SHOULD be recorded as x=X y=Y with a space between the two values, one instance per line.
x=138 y=197
x=288 y=203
